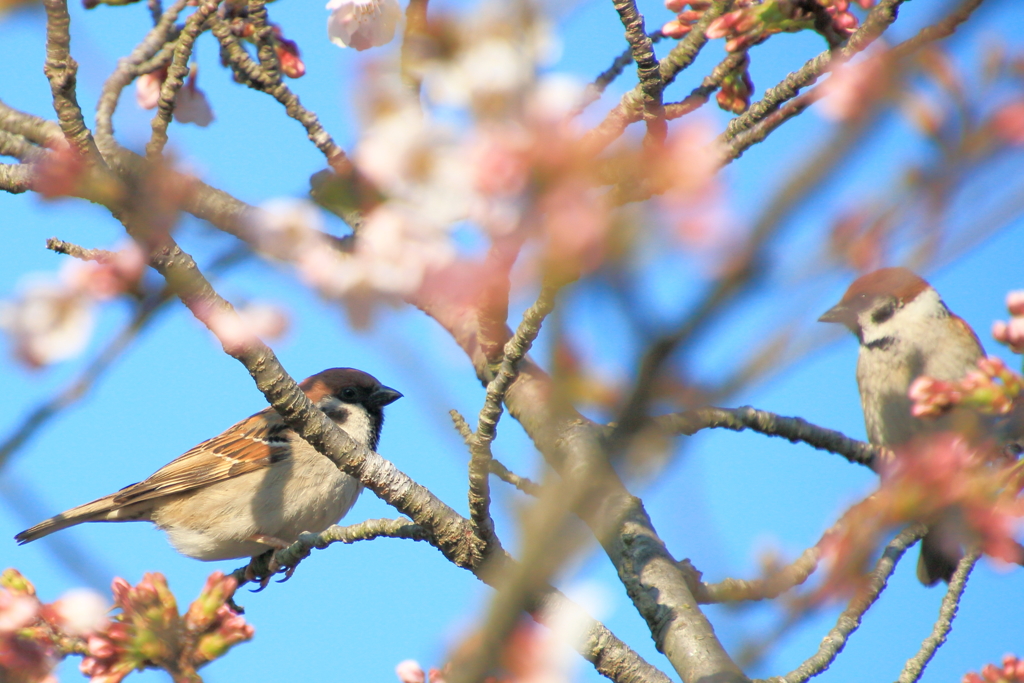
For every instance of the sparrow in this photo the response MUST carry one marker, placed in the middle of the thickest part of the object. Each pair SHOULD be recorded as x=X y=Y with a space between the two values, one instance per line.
x=906 y=331
x=255 y=486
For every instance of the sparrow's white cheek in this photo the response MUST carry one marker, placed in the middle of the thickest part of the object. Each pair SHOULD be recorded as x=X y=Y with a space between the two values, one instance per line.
x=351 y=417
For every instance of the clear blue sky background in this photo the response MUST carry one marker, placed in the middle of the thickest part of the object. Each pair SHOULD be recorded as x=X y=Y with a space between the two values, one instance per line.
x=353 y=612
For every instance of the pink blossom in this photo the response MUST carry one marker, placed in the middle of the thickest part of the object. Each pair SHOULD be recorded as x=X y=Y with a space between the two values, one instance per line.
x=147 y=88
x=362 y=24
x=48 y=322
x=1012 y=333
x=107 y=278
x=285 y=227
x=853 y=87
x=409 y=671
x=243 y=327
x=289 y=59
x=191 y=105
x=81 y=612
x=1008 y=122
x=16 y=611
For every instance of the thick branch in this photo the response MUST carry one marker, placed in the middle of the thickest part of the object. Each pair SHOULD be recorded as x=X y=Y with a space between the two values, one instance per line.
x=573 y=446
x=448 y=531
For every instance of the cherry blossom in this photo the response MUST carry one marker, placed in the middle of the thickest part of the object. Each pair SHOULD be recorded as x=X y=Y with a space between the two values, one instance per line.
x=81 y=611
x=242 y=328
x=48 y=322
x=190 y=105
x=410 y=671
x=1012 y=333
x=362 y=24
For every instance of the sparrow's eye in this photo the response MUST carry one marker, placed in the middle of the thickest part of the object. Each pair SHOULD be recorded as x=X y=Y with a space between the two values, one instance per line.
x=349 y=394
x=884 y=312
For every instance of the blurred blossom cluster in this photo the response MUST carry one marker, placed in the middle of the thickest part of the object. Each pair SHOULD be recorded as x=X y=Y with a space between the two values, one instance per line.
x=992 y=388
x=490 y=147
x=973 y=490
x=1012 y=671
x=35 y=636
x=531 y=654
x=53 y=316
x=968 y=120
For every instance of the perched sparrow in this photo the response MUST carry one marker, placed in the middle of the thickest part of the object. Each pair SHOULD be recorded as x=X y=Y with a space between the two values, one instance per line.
x=906 y=331
x=255 y=486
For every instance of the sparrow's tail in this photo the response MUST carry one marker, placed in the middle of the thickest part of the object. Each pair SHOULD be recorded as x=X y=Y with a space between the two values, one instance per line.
x=100 y=510
x=938 y=560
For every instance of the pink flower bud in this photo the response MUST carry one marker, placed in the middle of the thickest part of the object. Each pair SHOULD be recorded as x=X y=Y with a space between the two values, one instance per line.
x=675 y=29
x=1015 y=302
x=675 y=5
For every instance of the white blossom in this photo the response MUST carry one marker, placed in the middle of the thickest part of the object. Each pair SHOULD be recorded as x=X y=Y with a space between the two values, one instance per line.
x=362 y=24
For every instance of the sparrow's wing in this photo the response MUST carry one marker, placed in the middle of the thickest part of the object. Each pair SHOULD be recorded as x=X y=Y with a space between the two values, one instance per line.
x=962 y=324
x=252 y=444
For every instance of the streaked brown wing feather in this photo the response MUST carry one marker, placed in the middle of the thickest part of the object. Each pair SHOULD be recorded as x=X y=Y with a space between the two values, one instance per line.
x=252 y=444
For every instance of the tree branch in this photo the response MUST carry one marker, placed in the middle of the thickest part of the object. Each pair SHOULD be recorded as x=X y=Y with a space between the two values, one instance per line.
x=647 y=68
x=15 y=178
x=849 y=620
x=480 y=444
x=62 y=72
x=794 y=429
x=176 y=74
x=947 y=612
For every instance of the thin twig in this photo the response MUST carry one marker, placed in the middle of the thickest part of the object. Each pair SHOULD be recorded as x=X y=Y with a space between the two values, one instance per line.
x=79 y=252
x=947 y=612
x=176 y=74
x=597 y=87
x=62 y=72
x=648 y=69
x=877 y=21
x=369 y=530
x=794 y=429
x=480 y=446
x=128 y=68
x=524 y=484
x=678 y=59
x=258 y=78
x=767 y=588
x=849 y=620
x=20 y=147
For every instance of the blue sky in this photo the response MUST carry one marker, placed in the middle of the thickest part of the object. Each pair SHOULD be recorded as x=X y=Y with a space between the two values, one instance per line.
x=355 y=611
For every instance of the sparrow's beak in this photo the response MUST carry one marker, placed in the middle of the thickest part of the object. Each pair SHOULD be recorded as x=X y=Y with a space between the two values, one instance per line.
x=840 y=313
x=383 y=395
